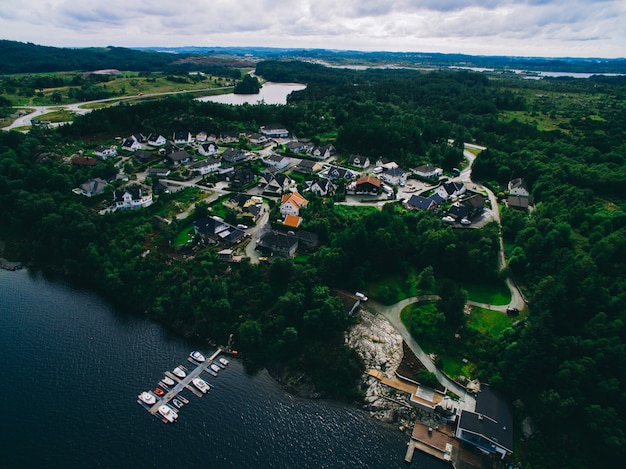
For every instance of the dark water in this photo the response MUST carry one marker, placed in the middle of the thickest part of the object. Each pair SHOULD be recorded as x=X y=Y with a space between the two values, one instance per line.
x=72 y=367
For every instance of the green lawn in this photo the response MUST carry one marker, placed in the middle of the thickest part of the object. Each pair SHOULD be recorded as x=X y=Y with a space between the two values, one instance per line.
x=490 y=294
x=185 y=236
x=489 y=322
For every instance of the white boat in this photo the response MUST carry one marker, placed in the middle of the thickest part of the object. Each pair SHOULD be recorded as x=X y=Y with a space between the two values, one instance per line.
x=215 y=368
x=223 y=361
x=168 y=413
x=201 y=385
x=177 y=403
x=168 y=381
x=197 y=356
x=178 y=371
x=147 y=398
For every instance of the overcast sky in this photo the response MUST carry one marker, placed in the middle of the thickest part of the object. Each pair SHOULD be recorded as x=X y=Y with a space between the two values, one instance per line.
x=547 y=28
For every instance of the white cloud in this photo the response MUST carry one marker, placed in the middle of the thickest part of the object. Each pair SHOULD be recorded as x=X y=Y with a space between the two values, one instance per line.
x=492 y=27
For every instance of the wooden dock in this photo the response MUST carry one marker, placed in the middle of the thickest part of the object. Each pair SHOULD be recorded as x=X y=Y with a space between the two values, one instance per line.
x=184 y=383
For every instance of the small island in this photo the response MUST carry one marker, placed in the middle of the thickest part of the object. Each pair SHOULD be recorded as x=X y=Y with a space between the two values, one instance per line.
x=248 y=85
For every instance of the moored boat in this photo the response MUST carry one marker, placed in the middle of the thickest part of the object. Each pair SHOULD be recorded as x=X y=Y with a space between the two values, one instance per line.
x=178 y=371
x=147 y=398
x=168 y=413
x=168 y=381
x=201 y=385
x=197 y=356
x=215 y=368
x=177 y=403
x=223 y=361
x=158 y=391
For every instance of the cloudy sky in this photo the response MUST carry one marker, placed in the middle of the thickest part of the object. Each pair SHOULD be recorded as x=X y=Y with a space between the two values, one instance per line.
x=548 y=28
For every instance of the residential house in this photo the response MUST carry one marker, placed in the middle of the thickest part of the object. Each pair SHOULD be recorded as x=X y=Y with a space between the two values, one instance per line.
x=143 y=156
x=394 y=176
x=323 y=152
x=201 y=136
x=518 y=187
x=307 y=241
x=418 y=202
x=159 y=172
x=179 y=157
x=292 y=221
x=240 y=178
x=359 y=161
x=451 y=190
x=275 y=183
x=277 y=243
x=475 y=204
x=279 y=162
x=229 y=137
x=490 y=426
x=105 y=152
x=205 y=167
x=141 y=138
x=131 y=144
x=335 y=172
x=156 y=140
x=258 y=139
x=131 y=198
x=245 y=205
x=427 y=171
x=519 y=202
x=232 y=155
x=274 y=131
x=367 y=185
x=180 y=138
x=458 y=211
x=92 y=187
x=322 y=187
x=295 y=146
x=214 y=230
x=308 y=167
x=208 y=149
x=290 y=204
x=169 y=148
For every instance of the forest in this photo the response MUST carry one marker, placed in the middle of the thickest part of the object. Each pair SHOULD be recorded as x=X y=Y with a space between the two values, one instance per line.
x=564 y=367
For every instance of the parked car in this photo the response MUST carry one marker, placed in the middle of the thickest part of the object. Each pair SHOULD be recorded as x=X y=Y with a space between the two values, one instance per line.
x=465 y=221
x=512 y=311
x=241 y=226
x=361 y=296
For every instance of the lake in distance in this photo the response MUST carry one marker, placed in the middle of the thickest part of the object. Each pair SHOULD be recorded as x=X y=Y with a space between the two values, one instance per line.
x=74 y=365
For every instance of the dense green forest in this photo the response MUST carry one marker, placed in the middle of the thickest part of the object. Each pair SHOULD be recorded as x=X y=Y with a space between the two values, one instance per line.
x=565 y=366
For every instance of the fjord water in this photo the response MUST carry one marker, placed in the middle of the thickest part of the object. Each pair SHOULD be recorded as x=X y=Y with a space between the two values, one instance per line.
x=73 y=365
x=270 y=93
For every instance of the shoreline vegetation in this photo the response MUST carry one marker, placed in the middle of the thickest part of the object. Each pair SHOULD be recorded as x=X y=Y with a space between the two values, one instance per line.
x=566 y=253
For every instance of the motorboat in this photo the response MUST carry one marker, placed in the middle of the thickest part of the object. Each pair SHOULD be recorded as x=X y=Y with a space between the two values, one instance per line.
x=147 y=398
x=168 y=381
x=197 y=356
x=168 y=413
x=158 y=391
x=211 y=372
x=177 y=403
x=178 y=371
x=215 y=368
x=201 y=385
x=223 y=361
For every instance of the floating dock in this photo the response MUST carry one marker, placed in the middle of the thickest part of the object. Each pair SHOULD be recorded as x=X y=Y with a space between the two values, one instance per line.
x=184 y=383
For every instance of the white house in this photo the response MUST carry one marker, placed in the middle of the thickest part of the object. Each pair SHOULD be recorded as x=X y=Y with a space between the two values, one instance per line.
x=182 y=137
x=258 y=139
x=105 y=152
x=156 y=140
x=322 y=187
x=208 y=149
x=450 y=190
x=324 y=152
x=291 y=204
x=359 y=161
x=131 y=144
x=428 y=171
x=131 y=198
x=92 y=187
x=394 y=176
x=205 y=167
x=518 y=186
x=277 y=161
x=274 y=131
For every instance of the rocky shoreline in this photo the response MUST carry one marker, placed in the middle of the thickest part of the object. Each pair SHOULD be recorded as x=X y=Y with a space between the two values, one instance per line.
x=380 y=347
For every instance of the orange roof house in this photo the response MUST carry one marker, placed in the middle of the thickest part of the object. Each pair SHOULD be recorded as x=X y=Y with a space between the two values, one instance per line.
x=291 y=204
x=292 y=221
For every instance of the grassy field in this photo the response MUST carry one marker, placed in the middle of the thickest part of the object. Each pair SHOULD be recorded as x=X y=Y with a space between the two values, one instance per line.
x=489 y=322
x=498 y=295
x=57 y=116
x=184 y=237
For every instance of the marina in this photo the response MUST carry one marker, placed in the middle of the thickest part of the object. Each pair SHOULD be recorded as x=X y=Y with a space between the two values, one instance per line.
x=157 y=402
